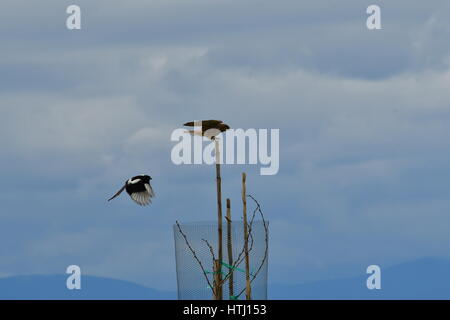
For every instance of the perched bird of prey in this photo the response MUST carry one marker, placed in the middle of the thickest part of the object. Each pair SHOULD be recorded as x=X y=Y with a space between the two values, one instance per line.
x=139 y=189
x=210 y=128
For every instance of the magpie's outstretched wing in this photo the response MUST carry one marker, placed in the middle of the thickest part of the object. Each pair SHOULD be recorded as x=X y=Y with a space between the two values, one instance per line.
x=118 y=193
x=149 y=189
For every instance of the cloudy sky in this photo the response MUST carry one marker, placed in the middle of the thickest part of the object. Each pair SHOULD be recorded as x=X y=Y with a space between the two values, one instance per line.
x=364 y=119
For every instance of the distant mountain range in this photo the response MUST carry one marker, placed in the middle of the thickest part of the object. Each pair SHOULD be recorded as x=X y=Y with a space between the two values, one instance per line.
x=53 y=287
x=427 y=278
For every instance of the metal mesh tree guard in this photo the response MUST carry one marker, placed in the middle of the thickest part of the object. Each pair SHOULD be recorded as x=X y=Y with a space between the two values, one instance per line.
x=196 y=251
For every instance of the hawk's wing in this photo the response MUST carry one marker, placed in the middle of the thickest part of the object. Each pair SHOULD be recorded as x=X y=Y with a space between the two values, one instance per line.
x=118 y=193
x=194 y=133
x=211 y=123
x=205 y=123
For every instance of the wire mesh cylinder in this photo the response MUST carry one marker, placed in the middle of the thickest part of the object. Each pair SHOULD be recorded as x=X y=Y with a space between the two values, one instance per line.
x=202 y=237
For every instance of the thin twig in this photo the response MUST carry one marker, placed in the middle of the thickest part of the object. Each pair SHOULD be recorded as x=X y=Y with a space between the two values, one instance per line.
x=266 y=241
x=241 y=256
x=210 y=249
x=250 y=234
x=195 y=257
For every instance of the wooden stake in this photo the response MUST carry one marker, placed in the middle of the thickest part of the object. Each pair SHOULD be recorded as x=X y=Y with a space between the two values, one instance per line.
x=219 y=219
x=230 y=249
x=248 y=289
x=217 y=280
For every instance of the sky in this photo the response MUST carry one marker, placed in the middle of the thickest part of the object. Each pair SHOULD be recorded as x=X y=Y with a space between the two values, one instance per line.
x=364 y=120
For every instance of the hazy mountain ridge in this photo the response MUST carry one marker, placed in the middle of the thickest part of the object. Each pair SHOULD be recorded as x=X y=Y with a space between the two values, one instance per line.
x=92 y=288
x=427 y=278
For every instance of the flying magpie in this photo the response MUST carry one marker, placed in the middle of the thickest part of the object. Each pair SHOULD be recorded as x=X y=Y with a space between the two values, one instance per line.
x=139 y=189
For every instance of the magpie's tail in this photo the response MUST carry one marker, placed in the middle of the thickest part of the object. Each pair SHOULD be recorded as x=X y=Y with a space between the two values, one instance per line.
x=117 y=194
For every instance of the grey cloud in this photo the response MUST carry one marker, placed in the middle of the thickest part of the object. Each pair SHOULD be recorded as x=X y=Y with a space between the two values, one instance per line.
x=363 y=119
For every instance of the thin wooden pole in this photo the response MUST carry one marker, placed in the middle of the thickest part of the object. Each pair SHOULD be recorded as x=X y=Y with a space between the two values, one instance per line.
x=217 y=280
x=230 y=250
x=248 y=289
x=219 y=219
